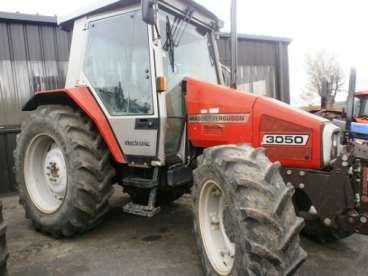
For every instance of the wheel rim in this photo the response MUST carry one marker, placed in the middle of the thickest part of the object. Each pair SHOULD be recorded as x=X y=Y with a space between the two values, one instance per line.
x=45 y=173
x=219 y=249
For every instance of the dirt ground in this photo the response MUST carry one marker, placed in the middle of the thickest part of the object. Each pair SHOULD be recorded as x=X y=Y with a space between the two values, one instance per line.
x=163 y=245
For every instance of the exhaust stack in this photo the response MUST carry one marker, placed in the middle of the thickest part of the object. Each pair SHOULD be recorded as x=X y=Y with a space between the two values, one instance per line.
x=234 y=45
x=350 y=100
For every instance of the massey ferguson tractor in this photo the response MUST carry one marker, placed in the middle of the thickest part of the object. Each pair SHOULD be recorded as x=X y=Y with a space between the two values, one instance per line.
x=145 y=107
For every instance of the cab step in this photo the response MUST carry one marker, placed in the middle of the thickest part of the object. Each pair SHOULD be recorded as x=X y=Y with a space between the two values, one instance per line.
x=148 y=210
x=141 y=210
x=144 y=183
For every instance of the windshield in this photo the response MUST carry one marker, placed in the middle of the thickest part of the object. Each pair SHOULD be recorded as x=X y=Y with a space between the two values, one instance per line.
x=361 y=107
x=187 y=51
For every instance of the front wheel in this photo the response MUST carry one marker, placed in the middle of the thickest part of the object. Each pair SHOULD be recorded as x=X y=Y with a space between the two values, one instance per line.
x=244 y=220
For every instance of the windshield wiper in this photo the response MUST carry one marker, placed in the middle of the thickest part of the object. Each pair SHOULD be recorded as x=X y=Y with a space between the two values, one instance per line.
x=174 y=34
x=211 y=50
x=169 y=45
x=181 y=24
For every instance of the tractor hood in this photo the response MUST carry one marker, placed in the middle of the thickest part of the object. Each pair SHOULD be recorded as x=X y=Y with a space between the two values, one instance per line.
x=219 y=115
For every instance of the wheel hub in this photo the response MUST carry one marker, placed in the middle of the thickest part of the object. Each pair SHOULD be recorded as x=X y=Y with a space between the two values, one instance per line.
x=45 y=173
x=219 y=249
x=55 y=172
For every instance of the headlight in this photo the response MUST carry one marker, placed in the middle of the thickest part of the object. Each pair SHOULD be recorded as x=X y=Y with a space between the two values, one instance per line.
x=331 y=143
x=336 y=145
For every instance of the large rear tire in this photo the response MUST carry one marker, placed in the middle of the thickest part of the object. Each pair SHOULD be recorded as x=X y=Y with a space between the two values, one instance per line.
x=3 y=249
x=244 y=219
x=63 y=171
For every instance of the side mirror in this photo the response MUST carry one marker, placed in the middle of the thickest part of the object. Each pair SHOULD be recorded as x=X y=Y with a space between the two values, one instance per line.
x=149 y=11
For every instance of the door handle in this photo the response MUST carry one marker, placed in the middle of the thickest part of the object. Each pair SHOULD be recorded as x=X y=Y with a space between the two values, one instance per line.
x=146 y=123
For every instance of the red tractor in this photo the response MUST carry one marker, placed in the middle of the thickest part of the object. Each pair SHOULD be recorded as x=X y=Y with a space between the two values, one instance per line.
x=144 y=107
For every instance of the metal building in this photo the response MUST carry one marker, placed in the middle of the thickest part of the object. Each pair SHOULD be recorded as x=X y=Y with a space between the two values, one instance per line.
x=263 y=64
x=34 y=54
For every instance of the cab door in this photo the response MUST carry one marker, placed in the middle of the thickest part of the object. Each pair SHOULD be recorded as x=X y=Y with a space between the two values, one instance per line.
x=119 y=70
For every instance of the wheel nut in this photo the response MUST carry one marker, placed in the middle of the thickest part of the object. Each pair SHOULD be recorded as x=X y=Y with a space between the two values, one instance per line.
x=216 y=192
x=224 y=253
x=214 y=219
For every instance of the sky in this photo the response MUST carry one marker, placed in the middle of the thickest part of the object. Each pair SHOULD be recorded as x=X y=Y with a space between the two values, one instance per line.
x=338 y=26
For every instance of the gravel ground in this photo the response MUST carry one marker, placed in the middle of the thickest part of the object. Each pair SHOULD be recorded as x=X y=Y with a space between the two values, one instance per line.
x=163 y=245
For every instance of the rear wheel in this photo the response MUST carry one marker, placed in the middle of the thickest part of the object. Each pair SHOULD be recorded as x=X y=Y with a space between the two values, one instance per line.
x=63 y=171
x=3 y=249
x=244 y=220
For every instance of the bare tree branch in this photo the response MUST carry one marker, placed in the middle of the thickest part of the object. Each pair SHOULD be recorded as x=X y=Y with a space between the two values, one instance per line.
x=323 y=65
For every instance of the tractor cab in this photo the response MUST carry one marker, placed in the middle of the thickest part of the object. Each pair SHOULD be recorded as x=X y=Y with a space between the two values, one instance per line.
x=359 y=124
x=127 y=63
x=361 y=107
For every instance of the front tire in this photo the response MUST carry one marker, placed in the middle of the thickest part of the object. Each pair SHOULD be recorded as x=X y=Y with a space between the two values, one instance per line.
x=244 y=220
x=63 y=171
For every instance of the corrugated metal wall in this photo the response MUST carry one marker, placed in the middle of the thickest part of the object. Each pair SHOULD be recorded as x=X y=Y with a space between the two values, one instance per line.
x=263 y=64
x=33 y=57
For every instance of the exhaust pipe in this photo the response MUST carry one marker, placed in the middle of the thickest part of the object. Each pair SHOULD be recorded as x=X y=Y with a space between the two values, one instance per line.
x=234 y=45
x=350 y=101
x=324 y=93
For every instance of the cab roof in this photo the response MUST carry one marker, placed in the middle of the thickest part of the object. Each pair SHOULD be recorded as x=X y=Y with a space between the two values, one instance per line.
x=102 y=6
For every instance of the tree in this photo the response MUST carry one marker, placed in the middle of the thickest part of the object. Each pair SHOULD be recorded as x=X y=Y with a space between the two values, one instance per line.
x=322 y=66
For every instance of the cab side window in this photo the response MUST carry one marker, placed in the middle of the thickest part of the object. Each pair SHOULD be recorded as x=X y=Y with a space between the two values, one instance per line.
x=117 y=64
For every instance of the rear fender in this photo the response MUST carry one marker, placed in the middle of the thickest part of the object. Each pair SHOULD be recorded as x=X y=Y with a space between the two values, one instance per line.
x=82 y=98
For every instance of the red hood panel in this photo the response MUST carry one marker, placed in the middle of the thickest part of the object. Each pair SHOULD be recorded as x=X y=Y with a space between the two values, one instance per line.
x=218 y=115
